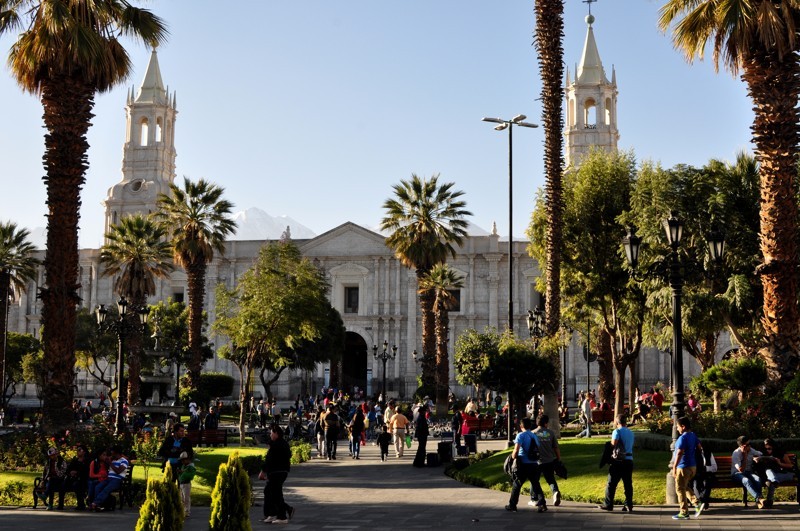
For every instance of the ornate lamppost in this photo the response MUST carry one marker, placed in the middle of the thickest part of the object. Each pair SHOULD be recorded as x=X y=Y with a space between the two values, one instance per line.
x=384 y=357
x=673 y=269
x=121 y=326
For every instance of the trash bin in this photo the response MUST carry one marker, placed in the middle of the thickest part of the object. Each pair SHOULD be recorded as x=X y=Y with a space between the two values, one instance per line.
x=471 y=442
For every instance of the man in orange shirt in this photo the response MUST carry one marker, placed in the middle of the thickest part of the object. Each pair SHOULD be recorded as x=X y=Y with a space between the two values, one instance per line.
x=399 y=425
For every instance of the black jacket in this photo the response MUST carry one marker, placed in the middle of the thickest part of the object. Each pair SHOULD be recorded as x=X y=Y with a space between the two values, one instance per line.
x=169 y=450
x=279 y=457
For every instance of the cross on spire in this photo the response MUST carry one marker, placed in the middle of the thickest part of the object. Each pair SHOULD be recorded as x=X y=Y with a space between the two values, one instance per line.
x=589 y=3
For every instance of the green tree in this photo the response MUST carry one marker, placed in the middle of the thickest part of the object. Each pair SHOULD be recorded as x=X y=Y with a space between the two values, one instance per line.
x=442 y=280
x=17 y=347
x=759 y=38
x=276 y=306
x=230 y=499
x=17 y=268
x=162 y=508
x=472 y=353
x=137 y=253
x=426 y=220
x=596 y=284
x=197 y=220
x=67 y=52
x=95 y=352
x=33 y=366
x=743 y=374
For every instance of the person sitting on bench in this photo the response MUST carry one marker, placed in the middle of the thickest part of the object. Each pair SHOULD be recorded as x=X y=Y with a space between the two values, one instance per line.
x=773 y=467
x=117 y=471
x=742 y=469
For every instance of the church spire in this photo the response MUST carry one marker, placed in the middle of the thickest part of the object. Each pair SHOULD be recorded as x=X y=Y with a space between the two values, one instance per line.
x=152 y=89
x=591 y=118
x=590 y=69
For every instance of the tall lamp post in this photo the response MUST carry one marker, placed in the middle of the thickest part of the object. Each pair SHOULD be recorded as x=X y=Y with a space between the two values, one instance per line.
x=384 y=357
x=509 y=124
x=121 y=327
x=671 y=269
x=535 y=322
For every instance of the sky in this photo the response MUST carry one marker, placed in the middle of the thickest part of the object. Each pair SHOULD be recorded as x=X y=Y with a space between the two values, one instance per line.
x=313 y=109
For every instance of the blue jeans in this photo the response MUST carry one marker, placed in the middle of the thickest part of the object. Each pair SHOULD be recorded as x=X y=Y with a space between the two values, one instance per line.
x=749 y=481
x=104 y=490
x=776 y=477
x=355 y=443
x=587 y=432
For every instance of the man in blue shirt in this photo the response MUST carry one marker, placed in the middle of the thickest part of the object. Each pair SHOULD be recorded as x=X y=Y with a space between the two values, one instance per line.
x=684 y=468
x=527 y=468
x=620 y=469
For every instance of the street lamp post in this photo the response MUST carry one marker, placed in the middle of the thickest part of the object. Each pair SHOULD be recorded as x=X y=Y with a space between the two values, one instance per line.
x=535 y=321
x=384 y=357
x=672 y=270
x=509 y=124
x=121 y=327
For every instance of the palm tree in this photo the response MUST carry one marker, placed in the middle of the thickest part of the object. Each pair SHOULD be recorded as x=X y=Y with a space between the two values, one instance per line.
x=136 y=250
x=197 y=221
x=425 y=220
x=67 y=52
x=760 y=39
x=442 y=280
x=17 y=268
x=549 y=39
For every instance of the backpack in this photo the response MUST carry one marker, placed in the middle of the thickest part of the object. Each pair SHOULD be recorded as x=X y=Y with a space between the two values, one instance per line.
x=533 y=449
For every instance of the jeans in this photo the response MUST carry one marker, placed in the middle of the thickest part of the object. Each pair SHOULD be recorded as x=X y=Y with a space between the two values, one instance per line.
x=776 y=477
x=587 y=432
x=620 y=470
x=355 y=443
x=330 y=443
x=548 y=471
x=703 y=483
x=749 y=481
x=526 y=472
x=55 y=485
x=274 y=504
x=104 y=490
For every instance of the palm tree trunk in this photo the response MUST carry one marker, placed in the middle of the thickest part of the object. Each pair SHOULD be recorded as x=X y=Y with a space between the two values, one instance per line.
x=426 y=300
x=67 y=116
x=196 y=277
x=5 y=287
x=775 y=133
x=442 y=363
x=549 y=43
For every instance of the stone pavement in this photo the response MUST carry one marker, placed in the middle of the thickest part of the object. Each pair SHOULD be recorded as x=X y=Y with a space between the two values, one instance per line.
x=368 y=494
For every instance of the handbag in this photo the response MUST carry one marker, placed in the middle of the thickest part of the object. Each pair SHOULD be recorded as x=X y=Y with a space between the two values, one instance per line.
x=408 y=441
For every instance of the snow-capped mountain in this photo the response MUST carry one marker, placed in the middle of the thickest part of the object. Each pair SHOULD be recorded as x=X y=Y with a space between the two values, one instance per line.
x=255 y=224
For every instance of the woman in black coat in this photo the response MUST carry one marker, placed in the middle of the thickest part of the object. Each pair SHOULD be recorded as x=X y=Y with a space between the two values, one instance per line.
x=421 y=431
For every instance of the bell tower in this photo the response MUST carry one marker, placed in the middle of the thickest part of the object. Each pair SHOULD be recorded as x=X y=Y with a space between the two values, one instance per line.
x=591 y=117
x=148 y=158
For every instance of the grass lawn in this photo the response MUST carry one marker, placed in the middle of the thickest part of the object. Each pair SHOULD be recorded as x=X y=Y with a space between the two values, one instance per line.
x=207 y=461
x=587 y=481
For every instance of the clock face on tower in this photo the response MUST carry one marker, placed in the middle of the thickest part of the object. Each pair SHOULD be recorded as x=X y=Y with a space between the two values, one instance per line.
x=137 y=185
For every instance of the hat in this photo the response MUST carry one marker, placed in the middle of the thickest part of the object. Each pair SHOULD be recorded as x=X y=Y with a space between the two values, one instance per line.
x=52 y=450
x=184 y=455
x=172 y=414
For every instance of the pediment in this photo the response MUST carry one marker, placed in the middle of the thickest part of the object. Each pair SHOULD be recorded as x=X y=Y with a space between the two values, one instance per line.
x=347 y=239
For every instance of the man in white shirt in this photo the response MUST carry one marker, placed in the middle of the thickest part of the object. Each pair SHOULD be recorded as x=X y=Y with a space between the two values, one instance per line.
x=586 y=413
x=742 y=469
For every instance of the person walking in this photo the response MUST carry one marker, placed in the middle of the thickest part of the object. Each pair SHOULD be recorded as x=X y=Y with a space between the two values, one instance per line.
x=684 y=469
x=526 y=460
x=455 y=425
x=421 y=432
x=331 y=424
x=620 y=469
x=384 y=440
x=586 y=415
x=356 y=429
x=549 y=453
x=399 y=425
x=275 y=470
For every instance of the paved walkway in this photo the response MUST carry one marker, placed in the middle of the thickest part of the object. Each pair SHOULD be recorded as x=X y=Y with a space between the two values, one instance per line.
x=368 y=494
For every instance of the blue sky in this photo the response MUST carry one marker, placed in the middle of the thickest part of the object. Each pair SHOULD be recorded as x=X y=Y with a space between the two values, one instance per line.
x=313 y=108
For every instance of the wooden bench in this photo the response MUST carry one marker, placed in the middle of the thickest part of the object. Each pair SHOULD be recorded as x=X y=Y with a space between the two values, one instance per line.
x=477 y=425
x=723 y=479
x=125 y=490
x=214 y=437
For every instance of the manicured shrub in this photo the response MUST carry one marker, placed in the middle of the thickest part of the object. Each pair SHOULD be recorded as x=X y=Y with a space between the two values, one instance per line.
x=162 y=509
x=231 y=498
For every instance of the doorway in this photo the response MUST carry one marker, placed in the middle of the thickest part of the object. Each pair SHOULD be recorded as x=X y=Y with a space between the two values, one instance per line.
x=354 y=362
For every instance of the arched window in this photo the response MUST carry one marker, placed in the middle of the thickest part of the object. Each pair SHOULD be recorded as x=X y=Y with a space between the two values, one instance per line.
x=571 y=113
x=608 y=111
x=590 y=114
x=158 y=130
x=144 y=130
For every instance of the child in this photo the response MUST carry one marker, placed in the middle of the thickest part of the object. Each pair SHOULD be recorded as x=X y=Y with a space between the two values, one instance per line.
x=384 y=440
x=186 y=473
